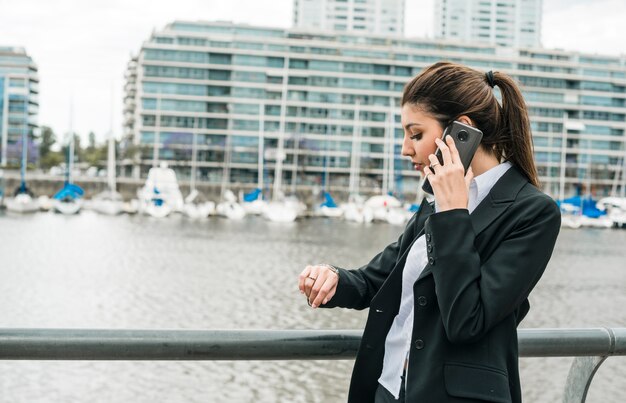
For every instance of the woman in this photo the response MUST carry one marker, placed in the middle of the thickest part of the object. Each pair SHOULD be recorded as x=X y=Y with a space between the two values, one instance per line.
x=445 y=299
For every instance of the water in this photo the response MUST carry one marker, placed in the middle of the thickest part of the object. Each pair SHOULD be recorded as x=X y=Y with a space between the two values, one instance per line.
x=90 y=271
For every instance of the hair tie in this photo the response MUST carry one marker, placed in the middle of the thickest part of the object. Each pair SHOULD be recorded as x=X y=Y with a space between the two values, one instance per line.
x=490 y=81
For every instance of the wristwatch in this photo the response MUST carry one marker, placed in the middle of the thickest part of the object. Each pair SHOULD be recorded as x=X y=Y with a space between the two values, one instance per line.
x=331 y=268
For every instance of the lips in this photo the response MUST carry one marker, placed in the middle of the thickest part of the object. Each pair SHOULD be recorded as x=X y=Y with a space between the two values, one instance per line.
x=418 y=166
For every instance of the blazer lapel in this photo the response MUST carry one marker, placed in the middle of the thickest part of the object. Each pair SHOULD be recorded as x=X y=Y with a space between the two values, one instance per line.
x=391 y=289
x=426 y=209
x=497 y=201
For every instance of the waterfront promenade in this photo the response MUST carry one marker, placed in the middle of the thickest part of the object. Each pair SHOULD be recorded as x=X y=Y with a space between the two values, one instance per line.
x=135 y=272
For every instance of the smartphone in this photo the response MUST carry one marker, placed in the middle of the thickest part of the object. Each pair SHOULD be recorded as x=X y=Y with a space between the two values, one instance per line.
x=466 y=138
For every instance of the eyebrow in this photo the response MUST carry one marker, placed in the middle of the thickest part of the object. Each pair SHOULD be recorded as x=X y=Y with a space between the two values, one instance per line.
x=408 y=125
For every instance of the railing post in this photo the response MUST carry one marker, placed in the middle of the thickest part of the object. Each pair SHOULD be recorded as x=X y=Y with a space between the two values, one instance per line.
x=579 y=378
x=582 y=371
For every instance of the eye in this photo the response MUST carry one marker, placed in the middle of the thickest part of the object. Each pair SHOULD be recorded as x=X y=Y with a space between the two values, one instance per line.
x=416 y=136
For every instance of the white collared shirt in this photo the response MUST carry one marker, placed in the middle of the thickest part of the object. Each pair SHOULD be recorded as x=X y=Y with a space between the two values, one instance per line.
x=398 y=341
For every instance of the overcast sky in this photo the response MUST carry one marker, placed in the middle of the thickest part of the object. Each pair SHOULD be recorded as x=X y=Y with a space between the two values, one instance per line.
x=82 y=46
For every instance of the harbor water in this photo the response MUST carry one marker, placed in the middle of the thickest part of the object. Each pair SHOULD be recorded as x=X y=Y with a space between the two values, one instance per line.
x=136 y=272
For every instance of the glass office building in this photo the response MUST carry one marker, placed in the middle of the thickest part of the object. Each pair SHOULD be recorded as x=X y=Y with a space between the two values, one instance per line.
x=513 y=23
x=334 y=96
x=19 y=105
x=369 y=16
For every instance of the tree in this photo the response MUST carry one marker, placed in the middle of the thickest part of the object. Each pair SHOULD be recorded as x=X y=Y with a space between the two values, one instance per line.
x=47 y=140
x=92 y=141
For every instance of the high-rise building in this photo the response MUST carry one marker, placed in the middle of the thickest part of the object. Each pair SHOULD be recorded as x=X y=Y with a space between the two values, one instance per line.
x=367 y=16
x=509 y=23
x=19 y=104
x=239 y=87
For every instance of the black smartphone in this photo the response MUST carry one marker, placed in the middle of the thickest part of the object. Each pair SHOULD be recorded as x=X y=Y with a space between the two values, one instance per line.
x=466 y=138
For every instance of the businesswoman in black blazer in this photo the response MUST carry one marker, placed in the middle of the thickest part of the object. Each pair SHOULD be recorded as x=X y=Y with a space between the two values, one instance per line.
x=445 y=299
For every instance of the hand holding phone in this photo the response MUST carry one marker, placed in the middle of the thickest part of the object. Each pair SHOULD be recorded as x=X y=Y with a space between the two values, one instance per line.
x=466 y=139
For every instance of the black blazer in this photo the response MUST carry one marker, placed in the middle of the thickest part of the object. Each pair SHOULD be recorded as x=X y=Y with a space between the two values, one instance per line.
x=469 y=298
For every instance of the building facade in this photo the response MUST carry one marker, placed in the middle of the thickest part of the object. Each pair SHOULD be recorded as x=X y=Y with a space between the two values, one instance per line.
x=19 y=105
x=330 y=97
x=508 y=23
x=368 y=16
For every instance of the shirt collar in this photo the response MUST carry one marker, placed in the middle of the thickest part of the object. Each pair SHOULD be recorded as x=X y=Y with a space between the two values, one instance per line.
x=485 y=181
x=481 y=185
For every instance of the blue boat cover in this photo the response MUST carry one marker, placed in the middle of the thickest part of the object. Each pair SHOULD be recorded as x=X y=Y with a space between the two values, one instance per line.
x=587 y=204
x=328 y=201
x=69 y=191
x=414 y=208
x=253 y=195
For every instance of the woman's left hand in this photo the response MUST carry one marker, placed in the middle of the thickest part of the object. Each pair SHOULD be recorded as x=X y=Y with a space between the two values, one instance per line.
x=450 y=185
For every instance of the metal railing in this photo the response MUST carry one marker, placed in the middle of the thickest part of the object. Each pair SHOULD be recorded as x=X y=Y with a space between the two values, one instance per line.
x=590 y=347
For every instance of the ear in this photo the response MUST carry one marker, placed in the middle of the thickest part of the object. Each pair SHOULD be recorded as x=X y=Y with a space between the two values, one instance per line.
x=465 y=119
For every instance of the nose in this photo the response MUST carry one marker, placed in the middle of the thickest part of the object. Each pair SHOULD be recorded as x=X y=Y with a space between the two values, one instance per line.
x=407 y=147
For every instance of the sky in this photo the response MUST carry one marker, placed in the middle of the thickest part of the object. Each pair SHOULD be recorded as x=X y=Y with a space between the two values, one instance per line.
x=82 y=47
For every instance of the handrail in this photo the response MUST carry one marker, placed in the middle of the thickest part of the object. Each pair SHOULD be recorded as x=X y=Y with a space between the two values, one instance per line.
x=111 y=344
x=590 y=346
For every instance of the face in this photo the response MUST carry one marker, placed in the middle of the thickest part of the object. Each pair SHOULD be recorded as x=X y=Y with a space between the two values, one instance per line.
x=420 y=132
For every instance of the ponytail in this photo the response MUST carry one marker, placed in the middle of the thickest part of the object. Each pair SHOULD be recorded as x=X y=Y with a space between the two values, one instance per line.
x=448 y=91
x=519 y=149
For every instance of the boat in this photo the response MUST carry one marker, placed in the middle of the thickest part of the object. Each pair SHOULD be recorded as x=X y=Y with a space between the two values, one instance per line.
x=328 y=208
x=615 y=208
x=69 y=199
x=579 y=211
x=195 y=206
x=385 y=206
x=110 y=201
x=281 y=208
x=23 y=201
x=355 y=209
x=160 y=195
x=229 y=207
x=253 y=202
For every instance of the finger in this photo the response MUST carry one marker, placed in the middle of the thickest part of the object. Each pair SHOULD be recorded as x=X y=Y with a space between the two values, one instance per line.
x=468 y=177
x=454 y=152
x=330 y=295
x=316 y=288
x=445 y=151
x=434 y=162
x=302 y=277
x=310 y=281
x=427 y=171
x=329 y=283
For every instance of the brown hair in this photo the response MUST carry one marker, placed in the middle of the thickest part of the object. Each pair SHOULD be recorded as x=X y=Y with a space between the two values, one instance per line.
x=448 y=91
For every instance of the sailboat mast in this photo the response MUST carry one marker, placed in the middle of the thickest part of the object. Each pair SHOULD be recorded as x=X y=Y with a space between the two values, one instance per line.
x=157 y=132
x=261 y=144
x=194 y=155
x=563 y=151
x=356 y=148
x=325 y=180
x=70 y=148
x=111 y=149
x=392 y=146
x=294 y=171
x=24 y=146
x=227 y=154
x=278 y=171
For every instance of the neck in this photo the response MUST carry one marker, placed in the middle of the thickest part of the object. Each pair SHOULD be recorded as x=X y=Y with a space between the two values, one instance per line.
x=483 y=162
